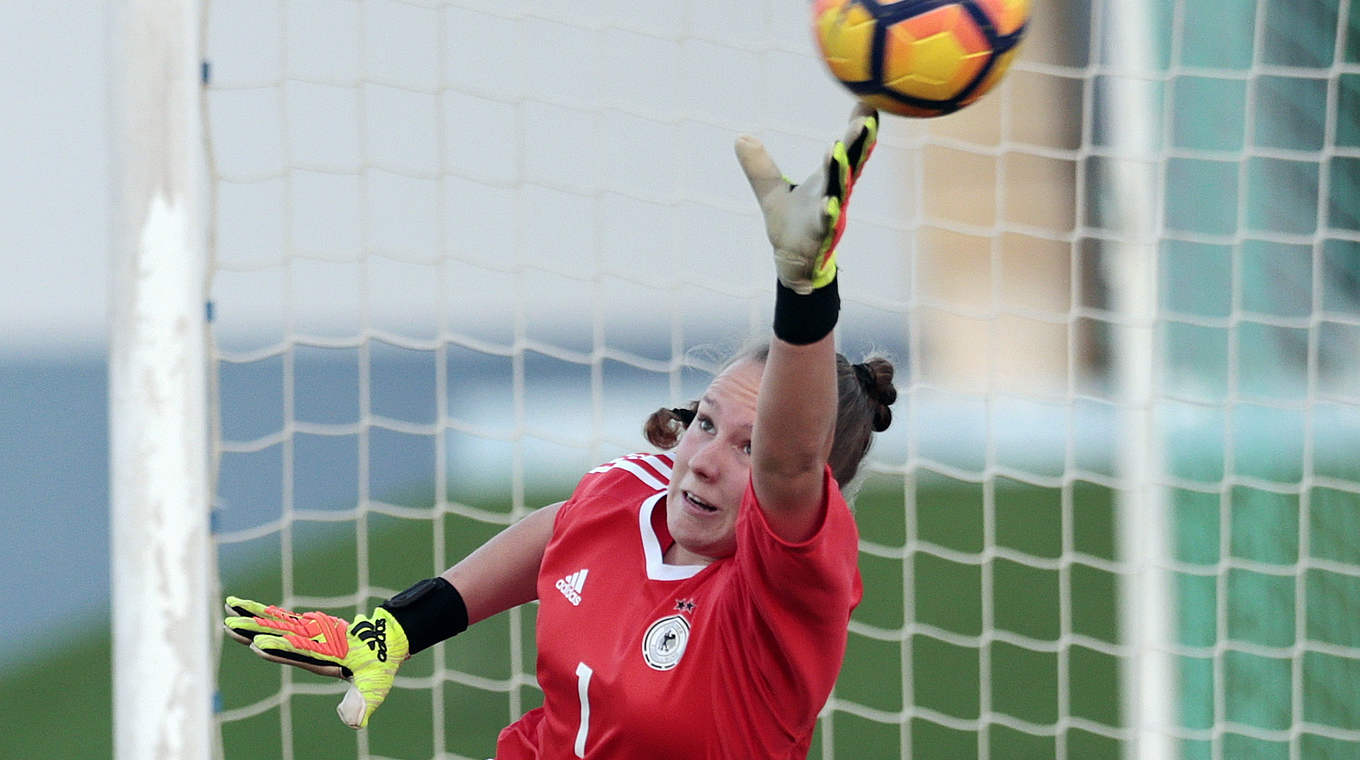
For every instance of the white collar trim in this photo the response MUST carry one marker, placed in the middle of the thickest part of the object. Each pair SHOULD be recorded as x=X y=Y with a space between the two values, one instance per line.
x=658 y=570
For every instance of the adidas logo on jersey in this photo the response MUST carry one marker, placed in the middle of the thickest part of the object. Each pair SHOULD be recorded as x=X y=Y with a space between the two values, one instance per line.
x=571 y=586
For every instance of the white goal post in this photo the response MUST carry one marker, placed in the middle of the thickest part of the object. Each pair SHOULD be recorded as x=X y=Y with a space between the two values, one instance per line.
x=1131 y=193
x=162 y=554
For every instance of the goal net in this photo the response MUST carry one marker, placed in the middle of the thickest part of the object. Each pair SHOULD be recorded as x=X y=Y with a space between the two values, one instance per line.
x=460 y=249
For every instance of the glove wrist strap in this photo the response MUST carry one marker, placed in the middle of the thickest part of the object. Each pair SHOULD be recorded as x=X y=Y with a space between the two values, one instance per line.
x=800 y=319
x=428 y=612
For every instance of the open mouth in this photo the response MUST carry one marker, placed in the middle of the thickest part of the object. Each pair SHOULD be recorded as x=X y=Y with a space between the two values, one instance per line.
x=699 y=503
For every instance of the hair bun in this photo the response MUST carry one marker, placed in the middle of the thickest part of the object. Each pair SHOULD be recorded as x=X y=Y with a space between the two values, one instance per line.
x=876 y=377
x=664 y=427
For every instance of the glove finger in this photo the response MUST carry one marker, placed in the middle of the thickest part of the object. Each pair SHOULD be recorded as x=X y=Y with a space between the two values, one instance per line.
x=245 y=607
x=242 y=637
x=306 y=625
x=860 y=137
x=837 y=170
x=284 y=652
x=243 y=629
x=835 y=227
x=249 y=608
x=860 y=116
x=761 y=170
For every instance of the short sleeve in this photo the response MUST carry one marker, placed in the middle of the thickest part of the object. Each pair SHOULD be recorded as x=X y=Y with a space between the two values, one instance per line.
x=818 y=577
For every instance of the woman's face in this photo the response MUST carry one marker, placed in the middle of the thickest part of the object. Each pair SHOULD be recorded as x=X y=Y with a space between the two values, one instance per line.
x=712 y=468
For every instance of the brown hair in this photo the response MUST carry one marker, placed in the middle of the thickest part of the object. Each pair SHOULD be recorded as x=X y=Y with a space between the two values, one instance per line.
x=864 y=391
x=665 y=426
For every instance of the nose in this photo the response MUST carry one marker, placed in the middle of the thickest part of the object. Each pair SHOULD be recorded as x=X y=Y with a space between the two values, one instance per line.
x=705 y=463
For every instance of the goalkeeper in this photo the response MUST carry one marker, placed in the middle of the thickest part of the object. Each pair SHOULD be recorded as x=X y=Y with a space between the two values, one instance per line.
x=693 y=603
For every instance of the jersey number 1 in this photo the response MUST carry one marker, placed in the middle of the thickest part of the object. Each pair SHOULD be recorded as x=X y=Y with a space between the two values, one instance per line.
x=583 y=674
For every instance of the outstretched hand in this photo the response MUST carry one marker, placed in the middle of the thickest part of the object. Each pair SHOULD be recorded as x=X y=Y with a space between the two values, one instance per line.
x=805 y=221
x=366 y=652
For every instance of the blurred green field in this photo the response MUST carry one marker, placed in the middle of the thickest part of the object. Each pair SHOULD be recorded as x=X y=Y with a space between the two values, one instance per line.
x=954 y=677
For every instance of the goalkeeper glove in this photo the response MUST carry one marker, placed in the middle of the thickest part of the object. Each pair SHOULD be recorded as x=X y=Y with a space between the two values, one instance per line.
x=366 y=652
x=804 y=222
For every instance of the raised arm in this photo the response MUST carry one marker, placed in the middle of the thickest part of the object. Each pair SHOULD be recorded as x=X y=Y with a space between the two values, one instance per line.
x=797 y=403
x=791 y=439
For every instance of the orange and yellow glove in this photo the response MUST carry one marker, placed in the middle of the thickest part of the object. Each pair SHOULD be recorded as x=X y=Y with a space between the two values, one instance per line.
x=366 y=652
x=805 y=221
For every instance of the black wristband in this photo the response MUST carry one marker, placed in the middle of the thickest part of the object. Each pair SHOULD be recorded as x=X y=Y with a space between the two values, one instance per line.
x=429 y=612
x=806 y=319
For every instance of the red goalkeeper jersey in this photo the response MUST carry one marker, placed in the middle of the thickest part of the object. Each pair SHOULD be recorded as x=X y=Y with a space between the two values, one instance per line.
x=638 y=658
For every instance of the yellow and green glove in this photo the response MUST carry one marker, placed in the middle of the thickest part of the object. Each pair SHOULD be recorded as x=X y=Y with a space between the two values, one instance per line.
x=366 y=652
x=805 y=221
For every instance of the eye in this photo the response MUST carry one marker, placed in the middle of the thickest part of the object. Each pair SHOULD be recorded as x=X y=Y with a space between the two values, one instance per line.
x=746 y=448
x=705 y=424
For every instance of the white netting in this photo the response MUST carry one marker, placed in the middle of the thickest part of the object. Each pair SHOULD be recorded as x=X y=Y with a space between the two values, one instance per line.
x=462 y=249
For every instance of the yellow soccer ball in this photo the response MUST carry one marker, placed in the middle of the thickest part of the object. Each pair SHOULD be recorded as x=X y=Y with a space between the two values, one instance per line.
x=919 y=57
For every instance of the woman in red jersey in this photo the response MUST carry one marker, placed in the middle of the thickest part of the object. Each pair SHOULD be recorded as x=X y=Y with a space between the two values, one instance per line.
x=693 y=604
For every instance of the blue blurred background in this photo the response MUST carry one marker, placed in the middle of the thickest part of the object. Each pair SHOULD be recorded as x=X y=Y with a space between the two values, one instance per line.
x=53 y=419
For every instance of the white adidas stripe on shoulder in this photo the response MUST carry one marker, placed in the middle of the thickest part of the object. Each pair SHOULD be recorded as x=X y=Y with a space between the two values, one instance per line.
x=654 y=470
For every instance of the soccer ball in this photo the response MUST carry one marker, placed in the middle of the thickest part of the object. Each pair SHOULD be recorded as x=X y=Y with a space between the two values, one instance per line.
x=919 y=57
